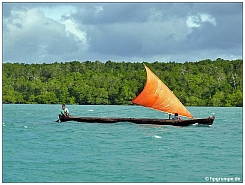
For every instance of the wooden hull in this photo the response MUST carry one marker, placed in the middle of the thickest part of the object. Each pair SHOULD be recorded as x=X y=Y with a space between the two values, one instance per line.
x=204 y=121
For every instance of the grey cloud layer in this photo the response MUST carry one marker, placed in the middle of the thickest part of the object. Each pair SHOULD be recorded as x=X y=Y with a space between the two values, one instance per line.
x=122 y=31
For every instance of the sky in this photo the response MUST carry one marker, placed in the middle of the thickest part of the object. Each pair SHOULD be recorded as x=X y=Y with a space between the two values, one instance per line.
x=130 y=32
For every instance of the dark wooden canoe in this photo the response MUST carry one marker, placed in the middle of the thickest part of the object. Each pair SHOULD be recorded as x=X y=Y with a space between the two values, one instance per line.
x=204 y=121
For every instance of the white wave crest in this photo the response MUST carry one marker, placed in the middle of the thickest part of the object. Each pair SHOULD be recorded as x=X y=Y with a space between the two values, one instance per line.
x=156 y=136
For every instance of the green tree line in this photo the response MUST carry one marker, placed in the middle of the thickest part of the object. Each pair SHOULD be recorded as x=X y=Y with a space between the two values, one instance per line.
x=202 y=83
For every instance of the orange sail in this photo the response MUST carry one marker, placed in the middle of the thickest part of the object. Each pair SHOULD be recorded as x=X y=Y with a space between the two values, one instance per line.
x=158 y=96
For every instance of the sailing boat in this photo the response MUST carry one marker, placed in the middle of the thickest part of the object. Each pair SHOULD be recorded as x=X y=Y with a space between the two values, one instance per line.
x=158 y=96
x=155 y=95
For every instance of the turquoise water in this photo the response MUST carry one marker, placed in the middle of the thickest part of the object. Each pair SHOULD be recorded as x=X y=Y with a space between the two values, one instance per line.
x=38 y=149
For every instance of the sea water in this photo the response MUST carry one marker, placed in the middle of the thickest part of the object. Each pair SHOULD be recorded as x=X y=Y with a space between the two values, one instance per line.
x=35 y=148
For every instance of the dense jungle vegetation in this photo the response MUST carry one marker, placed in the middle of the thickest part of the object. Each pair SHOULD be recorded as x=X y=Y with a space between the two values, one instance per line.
x=202 y=83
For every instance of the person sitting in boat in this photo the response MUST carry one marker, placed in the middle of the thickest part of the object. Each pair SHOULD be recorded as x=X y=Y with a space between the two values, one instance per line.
x=64 y=111
x=176 y=117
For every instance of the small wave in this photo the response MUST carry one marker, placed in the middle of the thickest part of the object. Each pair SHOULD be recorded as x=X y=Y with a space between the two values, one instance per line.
x=156 y=136
x=200 y=125
x=25 y=126
x=91 y=110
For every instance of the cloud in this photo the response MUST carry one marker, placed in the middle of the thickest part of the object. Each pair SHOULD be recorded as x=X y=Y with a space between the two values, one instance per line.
x=56 y=12
x=29 y=33
x=48 y=32
x=197 y=20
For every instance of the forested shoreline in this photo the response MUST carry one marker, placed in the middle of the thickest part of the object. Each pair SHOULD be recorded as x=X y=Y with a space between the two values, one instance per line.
x=202 y=83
